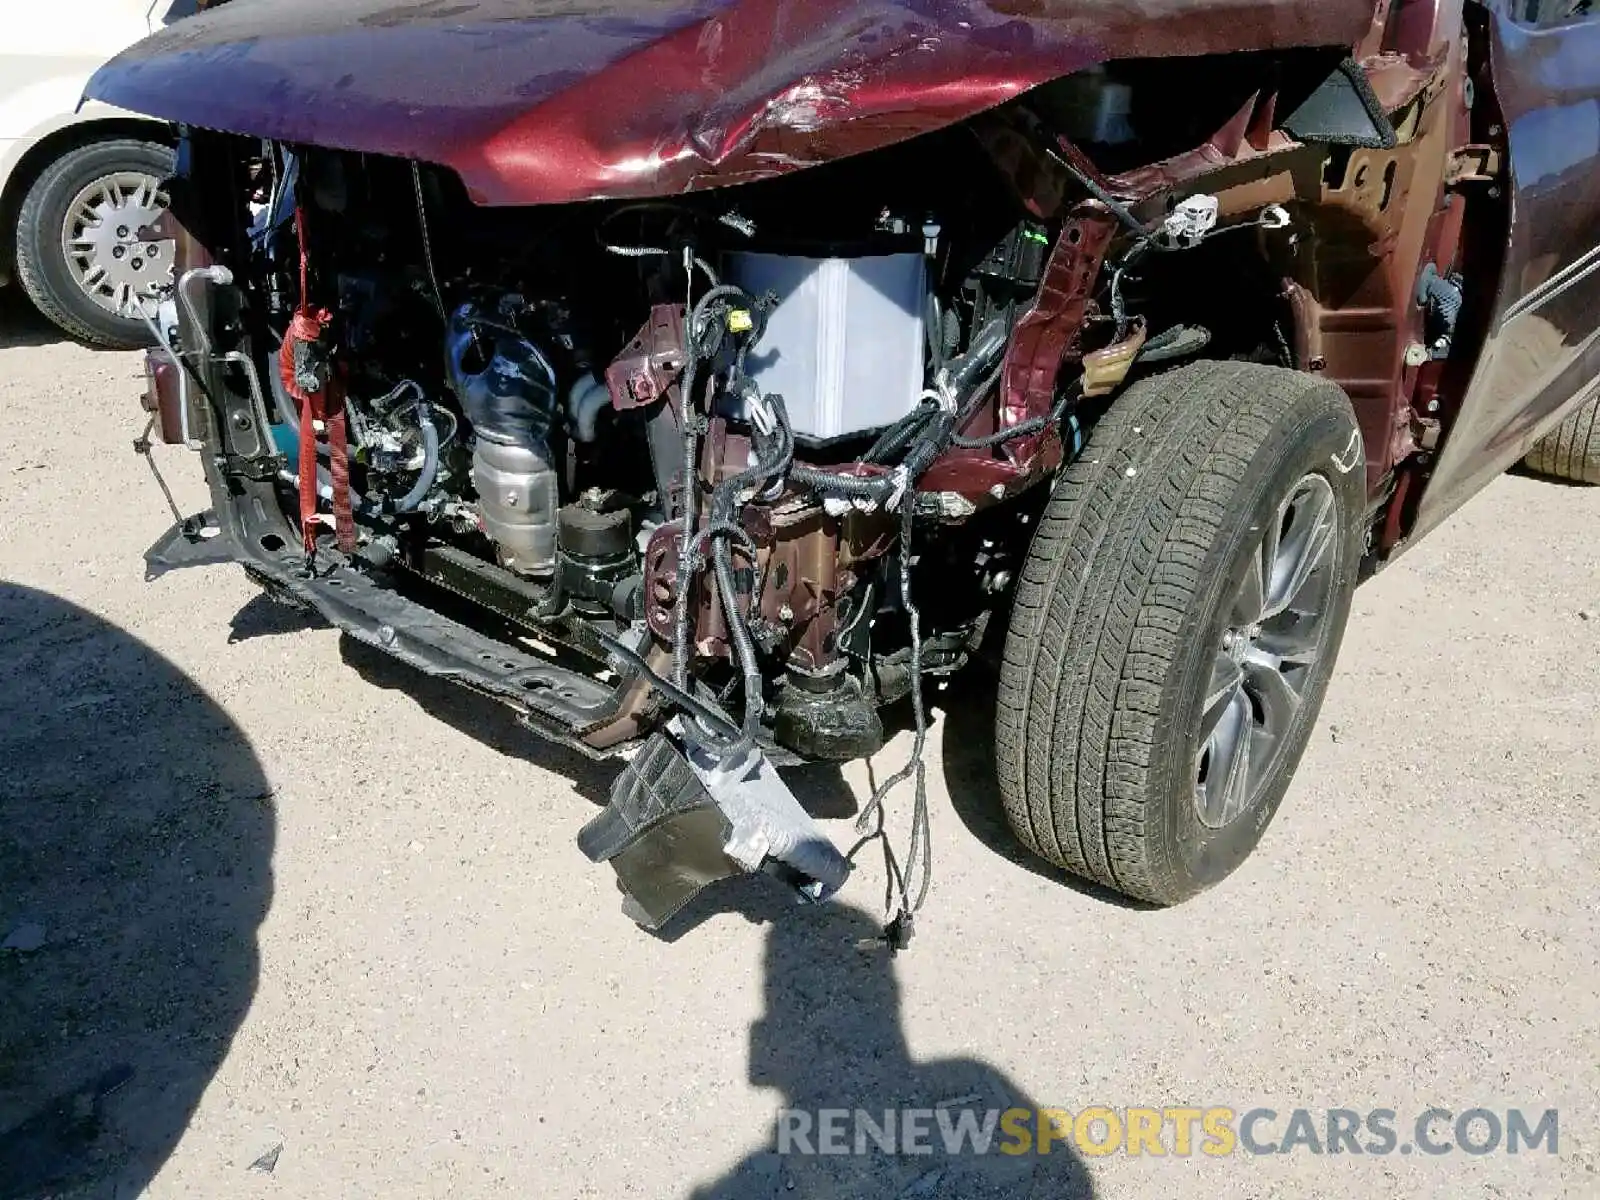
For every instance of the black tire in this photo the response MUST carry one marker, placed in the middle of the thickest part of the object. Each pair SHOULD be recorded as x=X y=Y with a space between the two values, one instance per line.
x=42 y=266
x=1120 y=612
x=1571 y=450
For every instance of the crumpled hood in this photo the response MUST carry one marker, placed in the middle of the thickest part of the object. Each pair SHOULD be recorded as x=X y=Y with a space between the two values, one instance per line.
x=541 y=101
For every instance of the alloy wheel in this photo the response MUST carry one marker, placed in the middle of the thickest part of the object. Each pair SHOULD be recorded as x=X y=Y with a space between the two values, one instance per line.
x=1272 y=633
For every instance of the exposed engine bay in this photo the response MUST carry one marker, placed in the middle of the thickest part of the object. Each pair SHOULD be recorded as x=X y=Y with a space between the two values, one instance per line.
x=519 y=428
x=694 y=421
x=710 y=480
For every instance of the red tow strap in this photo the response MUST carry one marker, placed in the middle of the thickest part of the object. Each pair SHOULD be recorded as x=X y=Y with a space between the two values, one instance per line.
x=324 y=409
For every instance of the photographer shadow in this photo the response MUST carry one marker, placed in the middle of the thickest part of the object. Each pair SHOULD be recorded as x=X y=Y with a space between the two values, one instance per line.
x=830 y=1038
x=136 y=839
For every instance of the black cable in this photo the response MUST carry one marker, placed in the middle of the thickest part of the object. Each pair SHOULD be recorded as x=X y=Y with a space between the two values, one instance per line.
x=724 y=503
x=919 y=854
x=706 y=714
x=698 y=344
x=1022 y=428
x=898 y=436
x=1086 y=181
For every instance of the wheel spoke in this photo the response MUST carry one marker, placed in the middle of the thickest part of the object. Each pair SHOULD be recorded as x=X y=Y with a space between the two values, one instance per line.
x=1226 y=679
x=1220 y=754
x=1248 y=600
x=1311 y=523
x=1278 y=699
x=1292 y=638
x=1233 y=783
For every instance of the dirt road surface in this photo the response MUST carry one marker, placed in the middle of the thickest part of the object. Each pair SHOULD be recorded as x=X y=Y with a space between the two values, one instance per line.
x=288 y=922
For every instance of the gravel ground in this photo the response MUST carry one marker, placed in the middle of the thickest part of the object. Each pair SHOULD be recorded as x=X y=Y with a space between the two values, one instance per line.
x=289 y=922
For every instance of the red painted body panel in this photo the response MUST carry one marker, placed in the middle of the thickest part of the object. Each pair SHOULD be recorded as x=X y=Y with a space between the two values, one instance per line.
x=544 y=101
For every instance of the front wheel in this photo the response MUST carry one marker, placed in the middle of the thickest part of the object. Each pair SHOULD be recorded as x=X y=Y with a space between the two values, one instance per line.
x=1176 y=624
x=80 y=256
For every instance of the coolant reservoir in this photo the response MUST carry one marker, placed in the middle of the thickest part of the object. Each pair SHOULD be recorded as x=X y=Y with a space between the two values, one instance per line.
x=844 y=347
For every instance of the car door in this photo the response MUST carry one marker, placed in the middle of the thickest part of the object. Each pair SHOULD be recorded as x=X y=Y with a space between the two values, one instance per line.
x=1543 y=353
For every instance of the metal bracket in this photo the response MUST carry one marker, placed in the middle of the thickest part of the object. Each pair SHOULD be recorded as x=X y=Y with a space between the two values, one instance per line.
x=264 y=468
x=196 y=541
x=1476 y=163
x=1425 y=432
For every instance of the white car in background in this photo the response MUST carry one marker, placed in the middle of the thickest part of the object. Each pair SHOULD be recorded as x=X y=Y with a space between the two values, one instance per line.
x=78 y=184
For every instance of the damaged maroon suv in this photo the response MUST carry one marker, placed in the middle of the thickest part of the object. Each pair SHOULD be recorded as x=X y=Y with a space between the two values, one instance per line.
x=700 y=377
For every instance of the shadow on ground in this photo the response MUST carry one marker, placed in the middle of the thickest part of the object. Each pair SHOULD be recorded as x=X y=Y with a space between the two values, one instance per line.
x=136 y=836
x=830 y=1037
x=21 y=326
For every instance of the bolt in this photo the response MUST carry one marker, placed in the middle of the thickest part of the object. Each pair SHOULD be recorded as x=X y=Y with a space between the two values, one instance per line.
x=122 y=231
x=137 y=263
x=1317 y=362
x=1416 y=354
x=1495 y=131
x=1433 y=406
x=662 y=592
x=386 y=634
x=152 y=250
x=786 y=614
x=511 y=500
x=998 y=491
x=117 y=252
x=241 y=420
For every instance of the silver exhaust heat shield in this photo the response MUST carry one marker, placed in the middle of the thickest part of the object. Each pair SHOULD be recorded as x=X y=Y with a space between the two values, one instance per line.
x=507 y=390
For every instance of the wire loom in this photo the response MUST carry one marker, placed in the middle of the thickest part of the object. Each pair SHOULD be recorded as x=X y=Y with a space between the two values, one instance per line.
x=925 y=434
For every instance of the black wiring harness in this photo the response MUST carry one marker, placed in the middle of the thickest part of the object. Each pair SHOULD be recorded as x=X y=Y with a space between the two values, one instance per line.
x=900 y=455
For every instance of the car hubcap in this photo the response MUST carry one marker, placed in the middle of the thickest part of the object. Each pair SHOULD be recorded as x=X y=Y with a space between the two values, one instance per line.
x=118 y=269
x=1268 y=649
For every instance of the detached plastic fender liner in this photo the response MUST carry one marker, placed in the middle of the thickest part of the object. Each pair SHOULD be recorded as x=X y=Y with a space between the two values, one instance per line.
x=678 y=821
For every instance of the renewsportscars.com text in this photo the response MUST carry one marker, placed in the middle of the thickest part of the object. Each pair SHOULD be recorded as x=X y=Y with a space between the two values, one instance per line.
x=1179 y=1131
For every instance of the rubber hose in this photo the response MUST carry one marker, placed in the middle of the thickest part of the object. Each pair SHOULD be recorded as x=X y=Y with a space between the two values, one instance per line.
x=430 y=463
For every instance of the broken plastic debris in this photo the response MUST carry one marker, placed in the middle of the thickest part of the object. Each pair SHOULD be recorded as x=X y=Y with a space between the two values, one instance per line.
x=267 y=1160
